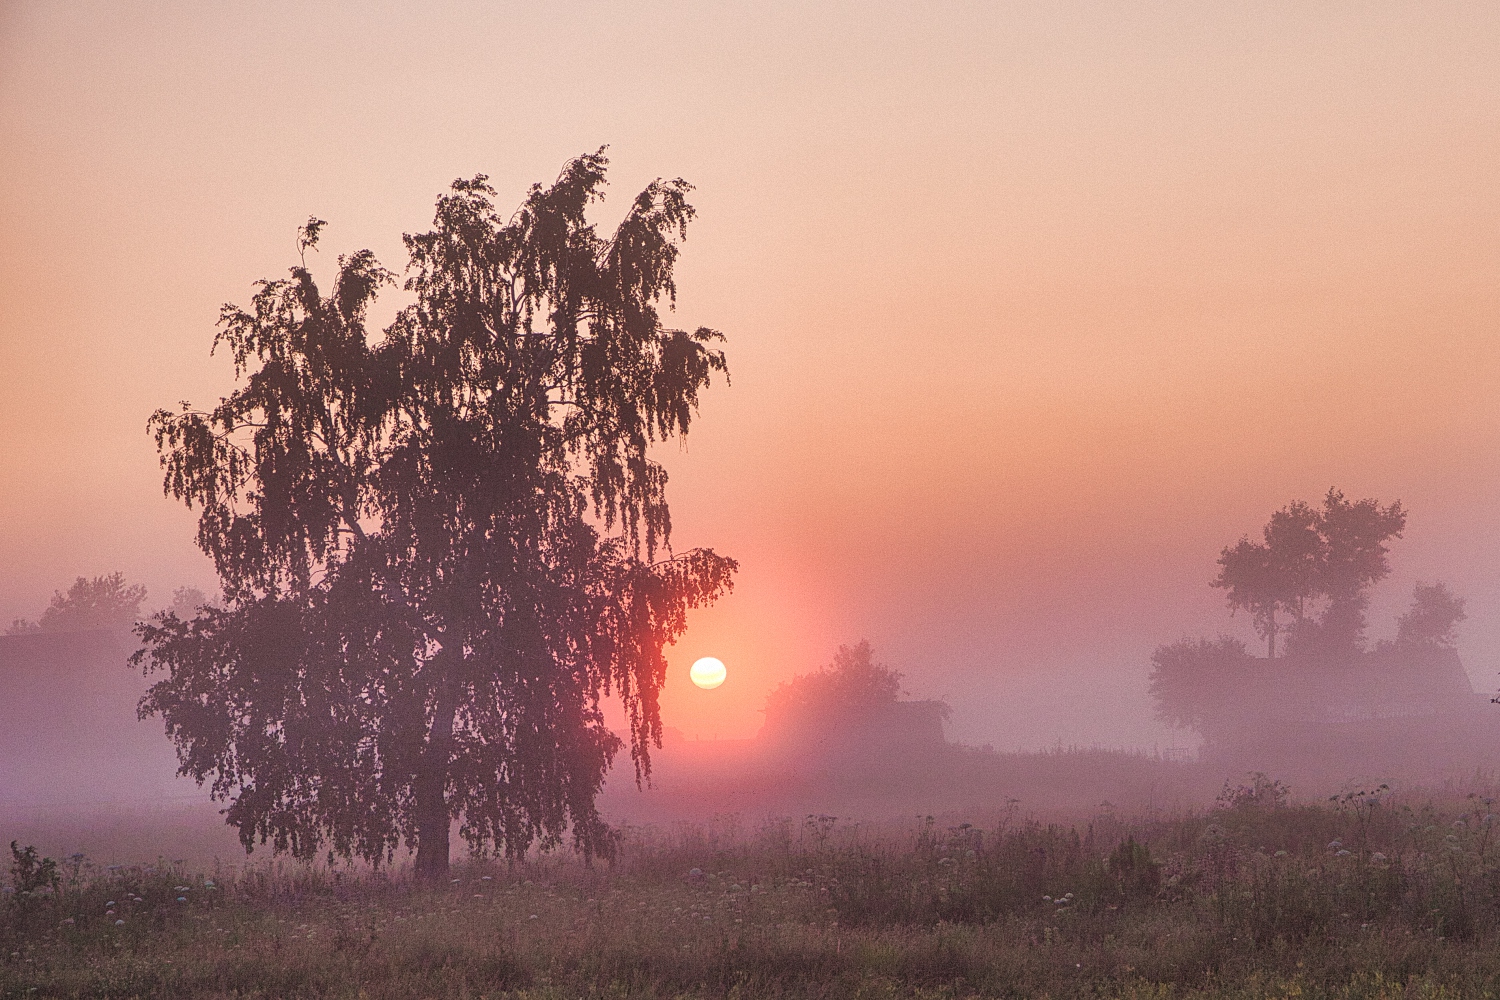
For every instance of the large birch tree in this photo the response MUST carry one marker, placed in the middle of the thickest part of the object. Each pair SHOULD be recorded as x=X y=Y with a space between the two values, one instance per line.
x=443 y=545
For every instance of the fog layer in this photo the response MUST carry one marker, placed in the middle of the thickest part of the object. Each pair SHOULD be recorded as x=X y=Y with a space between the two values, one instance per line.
x=1029 y=313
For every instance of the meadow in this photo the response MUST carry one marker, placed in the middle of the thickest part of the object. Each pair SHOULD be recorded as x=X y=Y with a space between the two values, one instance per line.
x=1367 y=895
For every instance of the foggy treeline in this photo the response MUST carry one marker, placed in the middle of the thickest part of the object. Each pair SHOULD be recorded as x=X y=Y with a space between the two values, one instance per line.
x=1318 y=707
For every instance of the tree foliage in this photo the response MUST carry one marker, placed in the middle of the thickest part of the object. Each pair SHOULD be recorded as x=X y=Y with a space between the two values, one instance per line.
x=851 y=683
x=1354 y=559
x=440 y=547
x=102 y=602
x=1190 y=680
x=1331 y=555
x=1315 y=566
x=1433 y=618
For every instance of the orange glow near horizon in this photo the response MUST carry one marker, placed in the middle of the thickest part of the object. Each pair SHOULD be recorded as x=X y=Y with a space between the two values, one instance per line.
x=1029 y=311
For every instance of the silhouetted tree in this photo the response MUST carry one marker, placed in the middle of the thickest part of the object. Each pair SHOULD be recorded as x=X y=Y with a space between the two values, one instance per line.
x=1279 y=574
x=1334 y=554
x=1353 y=559
x=439 y=549
x=853 y=682
x=187 y=600
x=1191 y=680
x=103 y=602
x=1251 y=584
x=1433 y=618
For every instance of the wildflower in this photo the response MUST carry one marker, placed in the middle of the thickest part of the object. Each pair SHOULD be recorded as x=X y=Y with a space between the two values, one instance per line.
x=109 y=905
x=109 y=913
x=1342 y=854
x=1279 y=854
x=486 y=878
x=1334 y=845
x=1377 y=857
x=180 y=888
x=1046 y=899
x=70 y=921
x=182 y=899
x=532 y=917
x=119 y=923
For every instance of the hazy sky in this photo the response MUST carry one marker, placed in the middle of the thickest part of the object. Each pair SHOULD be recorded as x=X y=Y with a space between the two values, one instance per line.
x=1031 y=308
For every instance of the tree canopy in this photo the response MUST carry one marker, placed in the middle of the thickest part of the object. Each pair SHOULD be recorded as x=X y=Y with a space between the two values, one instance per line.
x=851 y=683
x=101 y=602
x=1308 y=555
x=1433 y=618
x=1188 y=680
x=441 y=546
x=1315 y=566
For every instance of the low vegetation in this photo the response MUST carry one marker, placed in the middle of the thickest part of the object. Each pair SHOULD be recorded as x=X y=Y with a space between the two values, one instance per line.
x=1364 y=896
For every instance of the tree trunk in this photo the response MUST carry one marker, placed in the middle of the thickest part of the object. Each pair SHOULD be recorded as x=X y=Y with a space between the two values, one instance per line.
x=1271 y=636
x=431 y=786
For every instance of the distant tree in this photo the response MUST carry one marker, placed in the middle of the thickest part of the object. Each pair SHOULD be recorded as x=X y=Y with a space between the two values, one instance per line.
x=1279 y=574
x=440 y=548
x=187 y=600
x=854 y=682
x=102 y=602
x=1354 y=559
x=1250 y=584
x=1191 y=678
x=1333 y=555
x=1433 y=618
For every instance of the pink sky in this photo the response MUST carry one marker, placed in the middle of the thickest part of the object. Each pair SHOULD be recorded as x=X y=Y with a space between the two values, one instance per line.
x=1031 y=309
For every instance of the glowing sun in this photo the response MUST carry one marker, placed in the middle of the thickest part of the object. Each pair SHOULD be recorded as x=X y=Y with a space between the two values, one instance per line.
x=708 y=673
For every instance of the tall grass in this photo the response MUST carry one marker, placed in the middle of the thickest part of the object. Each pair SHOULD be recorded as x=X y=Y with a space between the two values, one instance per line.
x=1365 y=896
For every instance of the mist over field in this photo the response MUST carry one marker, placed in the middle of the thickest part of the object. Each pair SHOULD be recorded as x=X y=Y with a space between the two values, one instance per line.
x=1029 y=316
x=765 y=500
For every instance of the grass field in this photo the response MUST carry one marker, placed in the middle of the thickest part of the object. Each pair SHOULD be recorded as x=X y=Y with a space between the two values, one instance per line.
x=1368 y=896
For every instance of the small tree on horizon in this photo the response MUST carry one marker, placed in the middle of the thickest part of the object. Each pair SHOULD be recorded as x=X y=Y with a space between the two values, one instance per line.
x=1191 y=680
x=187 y=601
x=1331 y=555
x=1354 y=534
x=97 y=603
x=1432 y=619
x=852 y=683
